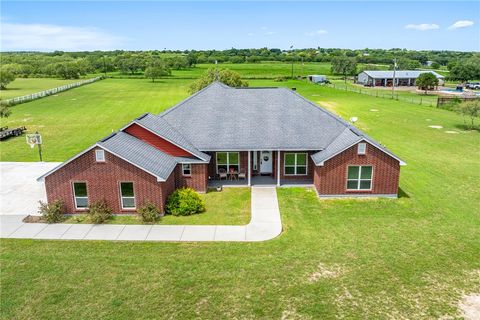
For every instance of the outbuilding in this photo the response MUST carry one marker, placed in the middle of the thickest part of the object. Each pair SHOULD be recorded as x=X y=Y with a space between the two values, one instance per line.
x=378 y=78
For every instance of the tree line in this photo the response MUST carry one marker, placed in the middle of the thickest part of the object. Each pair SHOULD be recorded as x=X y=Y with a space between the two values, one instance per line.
x=463 y=66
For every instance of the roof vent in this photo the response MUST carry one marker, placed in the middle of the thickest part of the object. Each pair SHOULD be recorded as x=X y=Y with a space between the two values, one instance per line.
x=294 y=89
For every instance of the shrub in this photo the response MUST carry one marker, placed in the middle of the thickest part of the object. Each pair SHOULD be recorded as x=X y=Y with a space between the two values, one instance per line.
x=280 y=79
x=149 y=212
x=51 y=212
x=184 y=202
x=99 y=212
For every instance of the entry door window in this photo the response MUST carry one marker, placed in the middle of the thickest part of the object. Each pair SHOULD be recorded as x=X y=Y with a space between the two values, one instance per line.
x=80 y=195
x=127 y=195
x=295 y=164
x=228 y=161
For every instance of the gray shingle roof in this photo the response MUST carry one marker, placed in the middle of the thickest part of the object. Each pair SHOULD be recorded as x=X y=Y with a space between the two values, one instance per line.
x=224 y=118
x=400 y=73
x=345 y=139
x=140 y=154
x=161 y=127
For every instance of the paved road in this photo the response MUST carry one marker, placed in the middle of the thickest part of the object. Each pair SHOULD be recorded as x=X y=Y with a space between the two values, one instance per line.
x=22 y=193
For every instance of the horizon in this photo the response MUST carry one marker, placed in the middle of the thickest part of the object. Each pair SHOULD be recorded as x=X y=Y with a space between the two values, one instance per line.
x=167 y=26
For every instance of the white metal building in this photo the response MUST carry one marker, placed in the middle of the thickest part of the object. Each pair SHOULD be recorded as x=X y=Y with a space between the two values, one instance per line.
x=380 y=78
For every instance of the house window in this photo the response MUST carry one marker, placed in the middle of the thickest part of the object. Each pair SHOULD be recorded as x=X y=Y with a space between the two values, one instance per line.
x=295 y=164
x=100 y=155
x=80 y=195
x=362 y=148
x=359 y=178
x=228 y=161
x=186 y=169
x=127 y=195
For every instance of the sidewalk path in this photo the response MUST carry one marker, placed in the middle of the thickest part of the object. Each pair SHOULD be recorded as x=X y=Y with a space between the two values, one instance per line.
x=20 y=193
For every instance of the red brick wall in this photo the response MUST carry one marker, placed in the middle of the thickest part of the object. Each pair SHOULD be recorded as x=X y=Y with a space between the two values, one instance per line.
x=198 y=180
x=154 y=140
x=331 y=178
x=103 y=182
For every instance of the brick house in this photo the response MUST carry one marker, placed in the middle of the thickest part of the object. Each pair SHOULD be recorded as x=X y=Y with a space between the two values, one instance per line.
x=226 y=136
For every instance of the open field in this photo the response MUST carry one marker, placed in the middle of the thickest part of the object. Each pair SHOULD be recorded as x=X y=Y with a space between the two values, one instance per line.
x=409 y=258
x=23 y=86
x=229 y=207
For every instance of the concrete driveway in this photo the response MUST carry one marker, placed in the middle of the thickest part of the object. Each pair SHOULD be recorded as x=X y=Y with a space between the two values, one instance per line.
x=20 y=193
x=19 y=189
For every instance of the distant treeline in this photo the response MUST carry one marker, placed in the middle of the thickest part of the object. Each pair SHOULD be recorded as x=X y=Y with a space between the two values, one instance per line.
x=75 y=64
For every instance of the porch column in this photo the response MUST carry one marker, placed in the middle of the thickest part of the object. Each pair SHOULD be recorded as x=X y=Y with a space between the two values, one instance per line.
x=249 y=174
x=278 y=168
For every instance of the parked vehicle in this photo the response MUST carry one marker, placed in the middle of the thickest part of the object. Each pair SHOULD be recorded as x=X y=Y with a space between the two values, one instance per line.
x=473 y=85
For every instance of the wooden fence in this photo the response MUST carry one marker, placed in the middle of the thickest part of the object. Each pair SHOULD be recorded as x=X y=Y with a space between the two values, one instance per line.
x=46 y=93
x=446 y=100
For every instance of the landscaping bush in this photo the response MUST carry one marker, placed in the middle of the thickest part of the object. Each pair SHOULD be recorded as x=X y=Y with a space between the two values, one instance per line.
x=185 y=202
x=51 y=212
x=99 y=212
x=149 y=212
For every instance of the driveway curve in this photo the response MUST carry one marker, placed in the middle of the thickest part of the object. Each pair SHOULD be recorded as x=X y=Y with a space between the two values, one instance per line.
x=20 y=193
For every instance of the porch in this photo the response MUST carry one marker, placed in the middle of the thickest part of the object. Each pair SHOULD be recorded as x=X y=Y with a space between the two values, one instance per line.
x=260 y=181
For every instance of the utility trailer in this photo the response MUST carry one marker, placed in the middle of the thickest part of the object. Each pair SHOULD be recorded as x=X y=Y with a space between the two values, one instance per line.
x=6 y=133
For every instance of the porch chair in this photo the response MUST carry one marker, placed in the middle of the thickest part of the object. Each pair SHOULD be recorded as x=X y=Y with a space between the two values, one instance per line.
x=242 y=174
x=222 y=173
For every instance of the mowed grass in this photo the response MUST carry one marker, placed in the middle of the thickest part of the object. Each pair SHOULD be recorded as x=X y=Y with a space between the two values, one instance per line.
x=231 y=206
x=407 y=258
x=23 y=86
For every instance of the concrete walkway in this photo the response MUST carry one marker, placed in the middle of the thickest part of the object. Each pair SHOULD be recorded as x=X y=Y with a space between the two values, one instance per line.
x=20 y=193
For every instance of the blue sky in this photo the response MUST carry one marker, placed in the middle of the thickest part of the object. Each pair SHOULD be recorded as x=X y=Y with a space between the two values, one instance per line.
x=91 y=25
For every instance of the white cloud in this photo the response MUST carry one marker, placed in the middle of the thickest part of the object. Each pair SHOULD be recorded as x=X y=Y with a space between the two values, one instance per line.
x=316 y=33
x=422 y=26
x=461 y=24
x=47 y=37
x=264 y=28
x=250 y=34
x=269 y=33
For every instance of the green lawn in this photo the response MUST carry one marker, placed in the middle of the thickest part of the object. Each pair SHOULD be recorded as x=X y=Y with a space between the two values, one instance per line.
x=23 y=86
x=409 y=258
x=231 y=206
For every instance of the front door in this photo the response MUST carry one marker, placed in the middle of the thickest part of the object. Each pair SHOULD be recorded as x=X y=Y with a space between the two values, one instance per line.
x=266 y=162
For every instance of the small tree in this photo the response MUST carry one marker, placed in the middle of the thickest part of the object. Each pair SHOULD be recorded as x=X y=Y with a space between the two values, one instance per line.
x=5 y=78
x=5 y=109
x=427 y=81
x=157 y=71
x=228 y=77
x=345 y=66
x=469 y=109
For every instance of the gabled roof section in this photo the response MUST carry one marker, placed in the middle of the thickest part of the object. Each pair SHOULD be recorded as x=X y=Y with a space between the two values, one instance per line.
x=219 y=117
x=135 y=152
x=348 y=138
x=140 y=154
x=162 y=128
x=400 y=73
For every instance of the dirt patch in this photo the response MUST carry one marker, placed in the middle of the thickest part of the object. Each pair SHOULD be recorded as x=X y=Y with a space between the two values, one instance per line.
x=33 y=219
x=470 y=307
x=452 y=132
x=374 y=110
x=436 y=127
x=326 y=272
x=330 y=105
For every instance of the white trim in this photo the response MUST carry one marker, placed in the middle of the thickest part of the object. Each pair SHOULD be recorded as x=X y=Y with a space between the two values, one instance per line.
x=228 y=160
x=249 y=173
x=295 y=165
x=189 y=169
x=75 y=197
x=357 y=195
x=262 y=149
x=136 y=122
x=359 y=179
x=102 y=153
x=122 y=197
x=278 y=167
x=402 y=163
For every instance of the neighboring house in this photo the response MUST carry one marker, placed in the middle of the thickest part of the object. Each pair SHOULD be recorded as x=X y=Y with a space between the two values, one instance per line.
x=379 y=78
x=270 y=135
x=316 y=78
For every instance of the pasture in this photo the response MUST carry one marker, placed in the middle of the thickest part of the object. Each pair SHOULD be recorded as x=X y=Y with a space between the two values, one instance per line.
x=23 y=86
x=413 y=257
